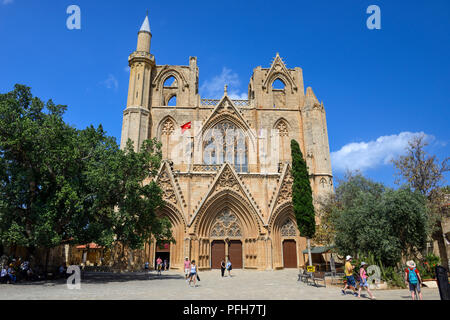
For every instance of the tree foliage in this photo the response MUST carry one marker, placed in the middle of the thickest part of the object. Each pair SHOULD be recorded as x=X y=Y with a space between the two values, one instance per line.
x=425 y=174
x=390 y=224
x=422 y=171
x=60 y=185
x=302 y=194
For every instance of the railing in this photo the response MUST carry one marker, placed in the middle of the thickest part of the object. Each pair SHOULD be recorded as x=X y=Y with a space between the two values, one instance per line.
x=214 y=102
x=209 y=102
x=216 y=167
x=241 y=103
x=206 y=167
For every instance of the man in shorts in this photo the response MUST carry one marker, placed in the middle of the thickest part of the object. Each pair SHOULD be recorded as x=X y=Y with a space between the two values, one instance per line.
x=351 y=283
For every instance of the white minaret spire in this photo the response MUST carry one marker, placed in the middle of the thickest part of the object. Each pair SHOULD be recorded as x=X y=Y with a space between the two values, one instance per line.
x=146 y=25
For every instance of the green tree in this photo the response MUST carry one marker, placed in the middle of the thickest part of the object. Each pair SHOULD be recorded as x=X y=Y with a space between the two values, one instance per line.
x=392 y=226
x=302 y=199
x=347 y=192
x=326 y=229
x=424 y=173
x=60 y=185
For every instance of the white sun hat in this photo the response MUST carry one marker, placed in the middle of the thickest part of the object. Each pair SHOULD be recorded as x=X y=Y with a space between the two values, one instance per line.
x=348 y=258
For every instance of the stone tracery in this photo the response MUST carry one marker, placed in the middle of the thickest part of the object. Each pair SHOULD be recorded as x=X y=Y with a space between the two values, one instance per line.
x=168 y=127
x=226 y=225
x=225 y=142
x=288 y=229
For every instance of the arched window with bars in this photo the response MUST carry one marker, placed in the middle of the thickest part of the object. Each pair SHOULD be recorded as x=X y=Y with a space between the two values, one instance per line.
x=226 y=143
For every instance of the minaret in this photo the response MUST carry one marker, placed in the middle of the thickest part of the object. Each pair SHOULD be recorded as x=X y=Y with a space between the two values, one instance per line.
x=136 y=117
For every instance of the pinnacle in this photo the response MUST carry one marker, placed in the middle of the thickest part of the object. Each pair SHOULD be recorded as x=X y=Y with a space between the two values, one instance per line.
x=146 y=25
x=310 y=94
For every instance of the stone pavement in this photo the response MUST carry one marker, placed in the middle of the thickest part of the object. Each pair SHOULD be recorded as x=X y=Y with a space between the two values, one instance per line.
x=244 y=284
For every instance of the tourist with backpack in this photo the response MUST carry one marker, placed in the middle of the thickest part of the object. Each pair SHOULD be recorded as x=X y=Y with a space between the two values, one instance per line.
x=413 y=279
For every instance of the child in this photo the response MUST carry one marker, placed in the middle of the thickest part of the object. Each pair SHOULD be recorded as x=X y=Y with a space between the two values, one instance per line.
x=363 y=280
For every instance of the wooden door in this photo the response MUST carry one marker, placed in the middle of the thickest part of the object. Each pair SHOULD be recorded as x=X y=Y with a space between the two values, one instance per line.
x=217 y=253
x=289 y=254
x=235 y=253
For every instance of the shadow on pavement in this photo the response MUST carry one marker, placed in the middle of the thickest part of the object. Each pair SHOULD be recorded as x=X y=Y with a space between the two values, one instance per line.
x=108 y=277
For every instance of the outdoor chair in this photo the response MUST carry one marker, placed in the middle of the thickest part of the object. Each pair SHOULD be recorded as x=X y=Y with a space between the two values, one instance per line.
x=318 y=277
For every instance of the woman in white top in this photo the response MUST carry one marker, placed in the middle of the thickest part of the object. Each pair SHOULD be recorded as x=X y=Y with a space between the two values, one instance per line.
x=193 y=274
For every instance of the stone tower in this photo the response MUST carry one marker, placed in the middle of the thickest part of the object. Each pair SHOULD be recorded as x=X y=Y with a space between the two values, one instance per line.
x=137 y=120
x=226 y=179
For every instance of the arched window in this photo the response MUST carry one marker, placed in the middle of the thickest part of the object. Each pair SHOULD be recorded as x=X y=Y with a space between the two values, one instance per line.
x=170 y=82
x=226 y=225
x=172 y=101
x=225 y=142
x=278 y=84
x=289 y=229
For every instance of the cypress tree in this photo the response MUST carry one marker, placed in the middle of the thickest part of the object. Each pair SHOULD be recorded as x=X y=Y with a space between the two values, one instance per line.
x=302 y=199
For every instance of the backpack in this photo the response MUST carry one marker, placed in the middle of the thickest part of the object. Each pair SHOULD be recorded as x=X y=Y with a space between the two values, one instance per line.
x=412 y=276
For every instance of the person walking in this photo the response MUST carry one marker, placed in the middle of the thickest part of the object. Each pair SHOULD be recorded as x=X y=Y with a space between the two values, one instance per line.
x=166 y=264
x=363 y=280
x=413 y=279
x=193 y=274
x=351 y=284
x=159 y=265
x=222 y=267
x=229 y=267
x=187 y=271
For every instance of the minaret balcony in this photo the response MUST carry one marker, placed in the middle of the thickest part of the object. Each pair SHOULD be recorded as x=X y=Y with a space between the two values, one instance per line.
x=141 y=55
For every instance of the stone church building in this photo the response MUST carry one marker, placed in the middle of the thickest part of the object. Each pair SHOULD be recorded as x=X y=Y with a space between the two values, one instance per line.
x=226 y=173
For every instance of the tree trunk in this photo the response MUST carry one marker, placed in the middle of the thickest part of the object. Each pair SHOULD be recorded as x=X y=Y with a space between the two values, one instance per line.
x=309 y=251
x=46 y=261
x=438 y=236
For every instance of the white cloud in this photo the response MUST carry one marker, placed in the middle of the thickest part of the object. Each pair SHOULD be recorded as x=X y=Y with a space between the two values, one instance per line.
x=126 y=69
x=5 y=2
x=368 y=155
x=213 y=88
x=111 y=82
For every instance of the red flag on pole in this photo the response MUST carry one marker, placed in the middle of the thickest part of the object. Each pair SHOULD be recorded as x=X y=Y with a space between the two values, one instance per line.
x=185 y=127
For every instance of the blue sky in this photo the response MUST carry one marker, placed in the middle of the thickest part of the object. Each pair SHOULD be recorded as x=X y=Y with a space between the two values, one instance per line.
x=379 y=87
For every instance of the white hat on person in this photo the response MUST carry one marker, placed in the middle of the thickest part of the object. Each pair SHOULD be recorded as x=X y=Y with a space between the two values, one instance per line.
x=411 y=264
x=348 y=258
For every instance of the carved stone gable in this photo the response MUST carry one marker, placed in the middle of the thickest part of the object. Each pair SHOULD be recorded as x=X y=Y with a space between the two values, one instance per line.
x=285 y=193
x=227 y=180
x=167 y=188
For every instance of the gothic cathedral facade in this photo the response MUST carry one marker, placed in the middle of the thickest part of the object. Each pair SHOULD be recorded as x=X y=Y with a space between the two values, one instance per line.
x=225 y=174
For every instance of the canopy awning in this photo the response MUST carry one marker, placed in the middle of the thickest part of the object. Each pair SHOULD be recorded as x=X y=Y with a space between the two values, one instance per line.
x=91 y=246
x=324 y=249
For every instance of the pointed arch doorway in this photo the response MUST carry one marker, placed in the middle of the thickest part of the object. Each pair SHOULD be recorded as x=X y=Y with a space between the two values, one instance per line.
x=226 y=234
x=289 y=253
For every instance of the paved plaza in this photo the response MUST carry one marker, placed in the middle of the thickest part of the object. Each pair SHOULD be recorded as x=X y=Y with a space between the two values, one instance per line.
x=244 y=284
